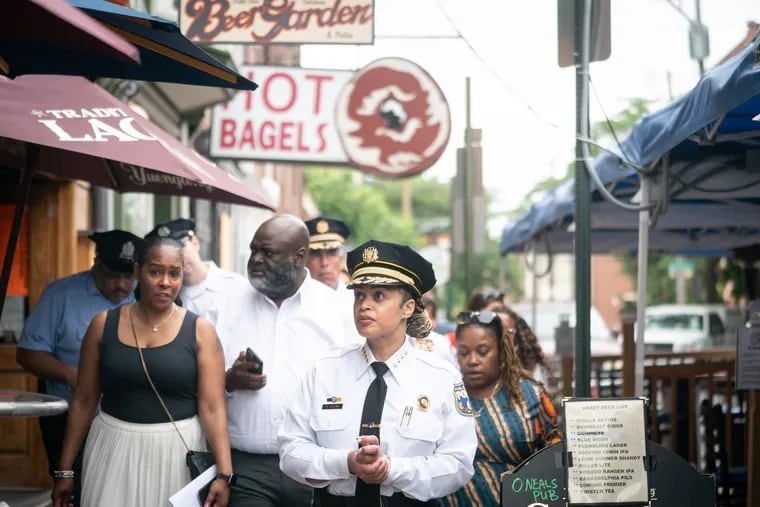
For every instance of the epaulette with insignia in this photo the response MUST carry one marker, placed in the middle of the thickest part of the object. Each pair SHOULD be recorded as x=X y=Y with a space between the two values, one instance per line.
x=424 y=344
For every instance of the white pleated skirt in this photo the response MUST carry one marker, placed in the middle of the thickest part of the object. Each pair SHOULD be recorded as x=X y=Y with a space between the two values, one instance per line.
x=136 y=465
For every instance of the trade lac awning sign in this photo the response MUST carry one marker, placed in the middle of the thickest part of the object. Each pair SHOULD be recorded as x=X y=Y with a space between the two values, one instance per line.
x=605 y=443
x=278 y=21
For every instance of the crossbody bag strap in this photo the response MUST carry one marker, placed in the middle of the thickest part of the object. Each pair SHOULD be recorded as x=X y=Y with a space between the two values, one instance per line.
x=150 y=381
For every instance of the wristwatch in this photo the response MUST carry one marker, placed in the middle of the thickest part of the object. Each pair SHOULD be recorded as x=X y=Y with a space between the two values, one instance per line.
x=229 y=479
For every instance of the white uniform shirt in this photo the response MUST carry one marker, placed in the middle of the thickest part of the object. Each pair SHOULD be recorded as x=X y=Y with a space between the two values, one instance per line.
x=288 y=340
x=427 y=429
x=436 y=344
x=199 y=298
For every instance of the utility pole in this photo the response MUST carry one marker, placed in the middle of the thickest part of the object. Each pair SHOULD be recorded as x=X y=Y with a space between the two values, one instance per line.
x=583 y=36
x=702 y=37
x=406 y=198
x=468 y=184
x=582 y=212
x=699 y=38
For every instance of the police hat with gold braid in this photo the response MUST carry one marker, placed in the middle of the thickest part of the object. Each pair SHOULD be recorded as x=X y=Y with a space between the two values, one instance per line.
x=380 y=263
x=326 y=233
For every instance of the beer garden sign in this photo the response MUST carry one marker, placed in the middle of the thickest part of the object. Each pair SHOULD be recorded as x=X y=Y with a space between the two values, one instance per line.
x=278 y=21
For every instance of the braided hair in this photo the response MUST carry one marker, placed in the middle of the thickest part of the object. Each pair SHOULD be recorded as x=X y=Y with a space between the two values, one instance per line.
x=418 y=325
x=526 y=344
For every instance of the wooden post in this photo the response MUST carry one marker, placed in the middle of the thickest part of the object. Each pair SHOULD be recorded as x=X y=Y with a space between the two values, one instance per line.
x=628 y=319
x=66 y=239
x=567 y=375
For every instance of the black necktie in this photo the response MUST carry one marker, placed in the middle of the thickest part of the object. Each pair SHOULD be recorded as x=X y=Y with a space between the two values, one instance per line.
x=371 y=415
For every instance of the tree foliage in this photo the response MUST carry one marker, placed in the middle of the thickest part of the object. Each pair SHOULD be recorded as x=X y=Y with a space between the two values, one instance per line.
x=371 y=207
x=430 y=198
x=365 y=210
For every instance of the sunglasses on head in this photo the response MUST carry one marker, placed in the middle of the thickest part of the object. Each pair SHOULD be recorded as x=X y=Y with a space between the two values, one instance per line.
x=485 y=318
x=491 y=295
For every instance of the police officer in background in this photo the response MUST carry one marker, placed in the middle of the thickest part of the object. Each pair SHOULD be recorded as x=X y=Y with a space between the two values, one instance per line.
x=416 y=437
x=327 y=253
x=203 y=281
x=327 y=258
x=53 y=333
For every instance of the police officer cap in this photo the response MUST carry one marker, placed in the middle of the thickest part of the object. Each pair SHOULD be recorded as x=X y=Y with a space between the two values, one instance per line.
x=381 y=263
x=179 y=229
x=326 y=233
x=117 y=249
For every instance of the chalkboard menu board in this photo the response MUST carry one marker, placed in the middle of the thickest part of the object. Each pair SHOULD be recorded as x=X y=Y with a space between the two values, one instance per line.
x=605 y=446
x=539 y=481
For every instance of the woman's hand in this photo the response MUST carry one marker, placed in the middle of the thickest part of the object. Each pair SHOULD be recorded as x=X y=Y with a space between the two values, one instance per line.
x=63 y=491
x=218 y=494
x=370 y=463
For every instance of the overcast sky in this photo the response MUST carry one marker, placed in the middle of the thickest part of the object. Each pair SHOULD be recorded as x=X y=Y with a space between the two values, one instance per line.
x=522 y=100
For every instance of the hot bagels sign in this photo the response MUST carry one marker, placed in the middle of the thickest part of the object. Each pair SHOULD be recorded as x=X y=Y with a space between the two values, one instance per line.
x=389 y=118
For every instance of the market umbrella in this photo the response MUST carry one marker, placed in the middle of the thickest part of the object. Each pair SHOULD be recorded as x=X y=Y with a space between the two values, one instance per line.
x=38 y=35
x=165 y=54
x=72 y=128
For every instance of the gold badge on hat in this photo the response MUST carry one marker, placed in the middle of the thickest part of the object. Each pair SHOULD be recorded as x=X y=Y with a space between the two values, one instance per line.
x=370 y=254
x=323 y=226
x=423 y=402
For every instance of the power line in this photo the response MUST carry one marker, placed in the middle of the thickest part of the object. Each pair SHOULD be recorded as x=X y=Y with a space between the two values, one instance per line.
x=623 y=156
x=491 y=69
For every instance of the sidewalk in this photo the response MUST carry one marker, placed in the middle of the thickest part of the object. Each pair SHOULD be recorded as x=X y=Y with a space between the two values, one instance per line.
x=25 y=498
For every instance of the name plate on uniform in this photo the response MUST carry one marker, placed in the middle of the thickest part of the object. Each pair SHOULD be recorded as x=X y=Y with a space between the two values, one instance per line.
x=605 y=451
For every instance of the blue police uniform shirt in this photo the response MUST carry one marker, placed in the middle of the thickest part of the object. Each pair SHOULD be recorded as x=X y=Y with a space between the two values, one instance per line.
x=60 y=318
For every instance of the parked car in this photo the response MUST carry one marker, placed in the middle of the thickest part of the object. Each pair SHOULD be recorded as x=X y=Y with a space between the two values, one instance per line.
x=548 y=317
x=687 y=328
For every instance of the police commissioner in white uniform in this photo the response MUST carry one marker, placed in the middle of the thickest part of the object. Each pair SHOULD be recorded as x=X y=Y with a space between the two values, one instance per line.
x=427 y=428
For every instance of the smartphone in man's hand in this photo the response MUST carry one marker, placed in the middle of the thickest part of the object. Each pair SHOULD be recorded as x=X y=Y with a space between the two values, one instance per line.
x=251 y=356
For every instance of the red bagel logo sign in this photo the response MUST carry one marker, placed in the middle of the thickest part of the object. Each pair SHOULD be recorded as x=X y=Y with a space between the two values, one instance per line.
x=392 y=119
x=389 y=119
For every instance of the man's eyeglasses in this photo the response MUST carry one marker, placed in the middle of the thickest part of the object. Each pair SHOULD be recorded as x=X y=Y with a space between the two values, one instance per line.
x=485 y=318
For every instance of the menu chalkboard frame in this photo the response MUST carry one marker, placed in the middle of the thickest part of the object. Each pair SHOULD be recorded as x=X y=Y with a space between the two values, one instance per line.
x=567 y=458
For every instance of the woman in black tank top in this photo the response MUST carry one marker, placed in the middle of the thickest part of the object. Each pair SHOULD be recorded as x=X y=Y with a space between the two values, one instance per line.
x=158 y=372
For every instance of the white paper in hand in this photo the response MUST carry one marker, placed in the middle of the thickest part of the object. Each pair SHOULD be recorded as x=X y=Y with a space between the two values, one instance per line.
x=188 y=496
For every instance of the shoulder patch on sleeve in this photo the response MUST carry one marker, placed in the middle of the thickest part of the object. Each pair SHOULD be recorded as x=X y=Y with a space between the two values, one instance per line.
x=461 y=400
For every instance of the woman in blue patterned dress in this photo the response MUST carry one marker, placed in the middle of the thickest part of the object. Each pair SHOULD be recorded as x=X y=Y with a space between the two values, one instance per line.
x=514 y=416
